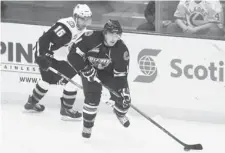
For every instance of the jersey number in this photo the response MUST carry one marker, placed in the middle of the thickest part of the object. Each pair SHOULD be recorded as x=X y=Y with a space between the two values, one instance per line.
x=217 y=16
x=59 y=31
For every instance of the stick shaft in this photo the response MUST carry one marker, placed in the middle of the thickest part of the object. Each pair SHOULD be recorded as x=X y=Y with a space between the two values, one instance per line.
x=132 y=106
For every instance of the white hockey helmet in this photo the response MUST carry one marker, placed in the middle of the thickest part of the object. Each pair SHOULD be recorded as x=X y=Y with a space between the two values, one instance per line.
x=82 y=10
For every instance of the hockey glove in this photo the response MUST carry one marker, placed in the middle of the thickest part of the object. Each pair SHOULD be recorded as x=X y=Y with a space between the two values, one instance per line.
x=89 y=73
x=125 y=97
x=44 y=61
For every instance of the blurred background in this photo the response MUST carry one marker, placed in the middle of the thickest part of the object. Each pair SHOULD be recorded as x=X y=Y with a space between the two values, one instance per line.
x=155 y=17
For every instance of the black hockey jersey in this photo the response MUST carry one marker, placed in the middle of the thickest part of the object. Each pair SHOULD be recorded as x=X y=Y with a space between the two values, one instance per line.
x=62 y=33
x=92 y=50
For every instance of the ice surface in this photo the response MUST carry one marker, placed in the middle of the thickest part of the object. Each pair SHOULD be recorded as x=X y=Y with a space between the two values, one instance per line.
x=46 y=133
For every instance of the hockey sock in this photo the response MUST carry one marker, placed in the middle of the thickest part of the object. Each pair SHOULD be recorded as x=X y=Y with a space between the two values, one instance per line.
x=89 y=114
x=69 y=98
x=39 y=91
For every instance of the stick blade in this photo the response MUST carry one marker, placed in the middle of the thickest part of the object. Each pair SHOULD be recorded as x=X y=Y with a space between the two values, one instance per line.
x=193 y=147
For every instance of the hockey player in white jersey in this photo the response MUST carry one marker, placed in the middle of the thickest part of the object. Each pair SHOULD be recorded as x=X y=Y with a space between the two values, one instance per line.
x=64 y=32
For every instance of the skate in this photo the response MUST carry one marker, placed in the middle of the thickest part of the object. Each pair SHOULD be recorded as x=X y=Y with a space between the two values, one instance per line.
x=69 y=114
x=86 y=133
x=33 y=108
x=123 y=120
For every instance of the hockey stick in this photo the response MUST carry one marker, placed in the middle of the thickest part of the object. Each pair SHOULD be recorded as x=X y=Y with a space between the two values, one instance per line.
x=187 y=147
x=65 y=77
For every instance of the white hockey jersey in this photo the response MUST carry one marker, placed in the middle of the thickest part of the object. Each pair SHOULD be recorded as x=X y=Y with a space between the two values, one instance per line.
x=61 y=54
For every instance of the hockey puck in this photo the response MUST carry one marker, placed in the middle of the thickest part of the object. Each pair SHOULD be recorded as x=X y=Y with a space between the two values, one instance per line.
x=186 y=149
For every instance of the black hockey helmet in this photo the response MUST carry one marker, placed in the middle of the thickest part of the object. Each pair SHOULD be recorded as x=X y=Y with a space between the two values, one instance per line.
x=113 y=26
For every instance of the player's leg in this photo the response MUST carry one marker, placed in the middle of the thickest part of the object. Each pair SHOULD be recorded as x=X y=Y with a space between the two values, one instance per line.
x=92 y=93
x=38 y=93
x=69 y=94
x=41 y=88
x=120 y=109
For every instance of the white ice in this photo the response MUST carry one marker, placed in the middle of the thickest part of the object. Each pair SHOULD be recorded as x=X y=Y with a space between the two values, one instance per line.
x=46 y=133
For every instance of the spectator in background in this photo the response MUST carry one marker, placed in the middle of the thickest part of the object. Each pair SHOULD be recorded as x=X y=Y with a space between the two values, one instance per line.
x=3 y=6
x=223 y=6
x=198 y=17
x=150 y=17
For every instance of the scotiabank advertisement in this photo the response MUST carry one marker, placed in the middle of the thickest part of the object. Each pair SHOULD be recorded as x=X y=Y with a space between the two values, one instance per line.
x=178 y=76
x=172 y=76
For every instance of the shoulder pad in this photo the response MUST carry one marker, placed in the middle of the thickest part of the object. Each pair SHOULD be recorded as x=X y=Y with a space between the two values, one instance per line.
x=123 y=50
x=69 y=22
x=126 y=56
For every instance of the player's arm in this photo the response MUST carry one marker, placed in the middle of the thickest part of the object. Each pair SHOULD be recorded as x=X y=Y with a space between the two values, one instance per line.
x=204 y=27
x=77 y=59
x=180 y=14
x=120 y=72
x=56 y=37
x=77 y=56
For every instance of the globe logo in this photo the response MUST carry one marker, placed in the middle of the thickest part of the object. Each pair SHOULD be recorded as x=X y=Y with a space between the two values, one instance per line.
x=147 y=65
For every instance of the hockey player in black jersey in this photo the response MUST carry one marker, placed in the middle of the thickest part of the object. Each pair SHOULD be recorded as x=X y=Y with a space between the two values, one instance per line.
x=104 y=55
x=64 y=32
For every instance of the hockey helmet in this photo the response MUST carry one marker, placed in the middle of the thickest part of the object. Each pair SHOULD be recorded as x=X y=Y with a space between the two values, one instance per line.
x=113 y=26
x=82 y=10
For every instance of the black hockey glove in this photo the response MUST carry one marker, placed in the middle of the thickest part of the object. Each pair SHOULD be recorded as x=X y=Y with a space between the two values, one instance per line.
x=44 y=61
x=125 y=97
x=89 y=72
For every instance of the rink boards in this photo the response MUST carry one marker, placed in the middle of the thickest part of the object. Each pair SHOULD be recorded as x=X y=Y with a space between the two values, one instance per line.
x=170 y=76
